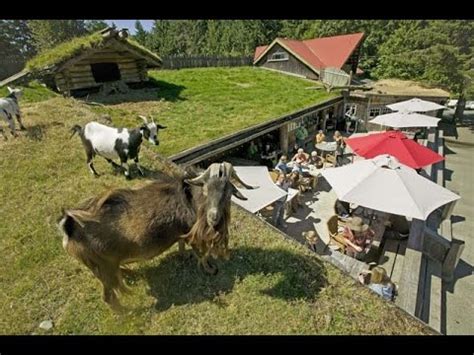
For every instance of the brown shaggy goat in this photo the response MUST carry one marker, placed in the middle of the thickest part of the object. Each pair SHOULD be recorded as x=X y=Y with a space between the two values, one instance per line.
x=125 y=225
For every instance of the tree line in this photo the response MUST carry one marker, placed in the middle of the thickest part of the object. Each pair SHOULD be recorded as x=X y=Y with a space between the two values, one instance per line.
x=437 y=52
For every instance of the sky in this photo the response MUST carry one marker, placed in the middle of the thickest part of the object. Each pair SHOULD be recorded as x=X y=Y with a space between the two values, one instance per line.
x=130 y=24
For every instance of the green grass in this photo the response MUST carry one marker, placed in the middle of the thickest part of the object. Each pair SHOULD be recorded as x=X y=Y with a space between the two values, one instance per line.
x=207 y=103
x=33 y=92
x=269 y=286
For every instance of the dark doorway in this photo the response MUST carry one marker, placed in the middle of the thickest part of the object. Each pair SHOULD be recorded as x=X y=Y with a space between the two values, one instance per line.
x=104 y=72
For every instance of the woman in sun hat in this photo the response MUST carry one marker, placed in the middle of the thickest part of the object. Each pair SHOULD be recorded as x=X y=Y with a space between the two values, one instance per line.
x=359 y=237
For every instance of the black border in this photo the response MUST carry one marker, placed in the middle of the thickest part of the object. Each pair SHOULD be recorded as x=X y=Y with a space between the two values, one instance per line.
x=86 y=9
x=459 y=345
x=219 y=9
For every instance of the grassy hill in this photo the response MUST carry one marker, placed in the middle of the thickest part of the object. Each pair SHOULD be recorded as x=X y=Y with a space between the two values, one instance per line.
x=269 y=286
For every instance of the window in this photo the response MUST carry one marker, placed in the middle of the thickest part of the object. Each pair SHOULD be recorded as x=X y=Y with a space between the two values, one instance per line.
x=373 y=112
x=278 y=56
x=104 y=72
x=376 y=111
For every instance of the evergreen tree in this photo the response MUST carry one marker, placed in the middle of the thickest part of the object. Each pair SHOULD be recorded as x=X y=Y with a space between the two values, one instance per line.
x=16 y=39
x=48 y=33
x=141 y=36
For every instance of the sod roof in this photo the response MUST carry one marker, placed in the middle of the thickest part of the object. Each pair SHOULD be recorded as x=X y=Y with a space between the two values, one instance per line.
x=60 y=54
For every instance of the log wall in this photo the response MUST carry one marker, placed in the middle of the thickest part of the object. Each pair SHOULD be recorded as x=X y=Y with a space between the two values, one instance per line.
x=79 y=75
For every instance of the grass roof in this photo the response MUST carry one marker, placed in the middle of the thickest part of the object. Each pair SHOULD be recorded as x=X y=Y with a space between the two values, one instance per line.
x=67 y=50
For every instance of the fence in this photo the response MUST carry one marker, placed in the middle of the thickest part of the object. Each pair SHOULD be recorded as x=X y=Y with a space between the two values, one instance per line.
x=202 y=61
x=10 y=66
x=335 y=77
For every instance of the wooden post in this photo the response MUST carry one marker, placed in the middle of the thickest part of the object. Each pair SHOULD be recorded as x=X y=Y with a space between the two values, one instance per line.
x=412 y=282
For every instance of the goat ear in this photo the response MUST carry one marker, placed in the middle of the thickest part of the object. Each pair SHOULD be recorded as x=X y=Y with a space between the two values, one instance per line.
x=238 y=194
x=160 y=126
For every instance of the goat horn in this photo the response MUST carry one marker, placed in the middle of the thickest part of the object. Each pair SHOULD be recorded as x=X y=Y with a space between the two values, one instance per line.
x=232 y=174
x=143 y=118
x=237 y=193
x=199 y=180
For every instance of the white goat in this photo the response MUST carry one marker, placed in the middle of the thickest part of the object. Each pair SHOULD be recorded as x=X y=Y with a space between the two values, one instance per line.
x=112 y=143
x=9 y=109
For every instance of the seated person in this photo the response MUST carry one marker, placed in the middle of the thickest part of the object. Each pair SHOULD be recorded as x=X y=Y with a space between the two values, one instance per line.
x=379 y=282
x=399 y=225
x=300 y=182
x=282 y=165
x=320 y=137
x=316 y=160
x=359 y=238
x=268 y=155
x=301 y=157
x=252 y=151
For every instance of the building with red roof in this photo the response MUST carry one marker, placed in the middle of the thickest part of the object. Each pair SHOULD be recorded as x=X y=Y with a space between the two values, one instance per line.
x=309 y=57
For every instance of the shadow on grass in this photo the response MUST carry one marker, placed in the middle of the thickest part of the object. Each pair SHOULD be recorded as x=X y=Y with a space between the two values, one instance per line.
x=178 y=281
x=152 y=90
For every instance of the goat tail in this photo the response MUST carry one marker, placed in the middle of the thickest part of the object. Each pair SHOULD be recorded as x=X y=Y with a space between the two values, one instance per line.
x=76 y=129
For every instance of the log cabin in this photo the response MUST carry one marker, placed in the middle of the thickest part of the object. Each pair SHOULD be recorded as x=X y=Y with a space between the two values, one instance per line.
x=106 y=56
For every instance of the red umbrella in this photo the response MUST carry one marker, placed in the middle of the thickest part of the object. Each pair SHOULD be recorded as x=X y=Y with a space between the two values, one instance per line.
x=394 y=143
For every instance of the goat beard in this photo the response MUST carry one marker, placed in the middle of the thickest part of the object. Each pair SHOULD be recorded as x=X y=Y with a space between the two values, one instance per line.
x=207 y=240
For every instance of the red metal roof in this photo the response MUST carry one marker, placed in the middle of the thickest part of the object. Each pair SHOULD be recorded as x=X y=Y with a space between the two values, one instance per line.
x=259 y=50
x=303 y=51
x=322 y=52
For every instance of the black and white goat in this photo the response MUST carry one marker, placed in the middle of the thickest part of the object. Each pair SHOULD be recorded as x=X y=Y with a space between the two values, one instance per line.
x=112 y=143
x=9 y=109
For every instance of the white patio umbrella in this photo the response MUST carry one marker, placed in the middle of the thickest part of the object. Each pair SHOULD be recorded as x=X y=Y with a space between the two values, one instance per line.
x=383 y=184
x=415 y=105
x=403 y=119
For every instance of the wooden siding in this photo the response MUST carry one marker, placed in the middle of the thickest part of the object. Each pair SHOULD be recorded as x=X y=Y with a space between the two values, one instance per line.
x=292 y=65
x=79 y=75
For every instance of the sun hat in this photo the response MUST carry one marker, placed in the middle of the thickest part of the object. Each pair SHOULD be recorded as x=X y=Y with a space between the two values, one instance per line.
x=357 y=225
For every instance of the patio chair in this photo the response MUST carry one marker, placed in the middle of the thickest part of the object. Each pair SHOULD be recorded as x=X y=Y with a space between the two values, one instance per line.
x=274 y=175
x=330 y=160
x=336 y=237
